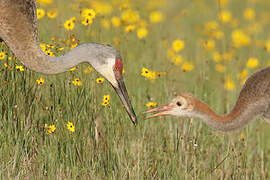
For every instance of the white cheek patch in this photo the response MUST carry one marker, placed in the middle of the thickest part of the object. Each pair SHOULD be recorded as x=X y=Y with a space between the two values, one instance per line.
x=106 y=70
x=180 y=113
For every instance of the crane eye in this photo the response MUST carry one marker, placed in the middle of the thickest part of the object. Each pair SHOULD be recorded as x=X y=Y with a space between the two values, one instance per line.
x=178 y=103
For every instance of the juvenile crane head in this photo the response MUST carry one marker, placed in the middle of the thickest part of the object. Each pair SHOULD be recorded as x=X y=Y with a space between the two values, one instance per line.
x=111 y=67
x=183 y=105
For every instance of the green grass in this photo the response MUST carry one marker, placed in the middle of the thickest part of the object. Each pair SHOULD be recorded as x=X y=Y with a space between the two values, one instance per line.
x=105 y=144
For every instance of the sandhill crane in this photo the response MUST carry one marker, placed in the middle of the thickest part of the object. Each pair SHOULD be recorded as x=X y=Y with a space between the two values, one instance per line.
x=253 y=101
x=18 y=28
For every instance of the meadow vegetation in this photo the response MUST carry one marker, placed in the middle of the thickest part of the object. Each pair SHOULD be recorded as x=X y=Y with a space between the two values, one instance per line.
x=73 y=125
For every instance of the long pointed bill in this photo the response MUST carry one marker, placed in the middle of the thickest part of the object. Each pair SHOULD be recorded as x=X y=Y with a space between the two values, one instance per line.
x=161 y=111
x=123 y=94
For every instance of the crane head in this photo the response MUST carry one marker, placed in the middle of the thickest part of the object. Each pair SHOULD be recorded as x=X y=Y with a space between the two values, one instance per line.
x=112 y=70
x=182 y=105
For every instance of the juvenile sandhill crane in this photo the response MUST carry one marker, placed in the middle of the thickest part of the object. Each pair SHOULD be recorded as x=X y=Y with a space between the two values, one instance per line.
x=18 y=28
x=253 y=101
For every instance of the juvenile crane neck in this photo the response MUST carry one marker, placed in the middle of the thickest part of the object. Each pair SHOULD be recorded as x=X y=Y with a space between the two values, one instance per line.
x=238 y=117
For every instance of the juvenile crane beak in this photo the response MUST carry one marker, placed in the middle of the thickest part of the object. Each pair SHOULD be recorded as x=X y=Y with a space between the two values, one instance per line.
x=123 y=95
x=161 y=111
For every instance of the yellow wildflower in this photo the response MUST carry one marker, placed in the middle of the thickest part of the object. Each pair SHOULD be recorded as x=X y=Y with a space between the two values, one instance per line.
x=142 y=33
x=86 y=21
x=88 y=13
x=69 y=24
x=52 y=13
x=77 y=82
x=209 y=45
x=40 y=81
x=105 y=103
x=151 y=104
x=71 y=127
x=243 y=81
x=229 y=84
x=243 y=74
x=101 y=7
x=88 y=70
x=159 y=73
x=19 y=68
x=106 y=97
x=73 y=69
x=99 y=80
x=49 y=52
x=51 y=129
x=73 y=45
x=130 y=28
x=149 y=74
x=225 y=16
x=178 y=45
x=155 y=17
x=2 y=55
x=252 y=63
x=130 y=16
x=177 y=59
x=45 y=2
x=73 y=39
x=59 y=49
x=50 y=46
x=267 y=45
x=211 y=25
x=187 y=66
x=151 y=77
x=220 y=68
x=40 y=13
x=249 y=14
x=216 y=56
x=43 y=47
x=240 y=38
x=145 y=72
x=73 y=19
x=116 y=21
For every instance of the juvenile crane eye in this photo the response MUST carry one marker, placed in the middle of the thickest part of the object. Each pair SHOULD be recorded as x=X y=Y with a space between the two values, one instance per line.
x=178 y=103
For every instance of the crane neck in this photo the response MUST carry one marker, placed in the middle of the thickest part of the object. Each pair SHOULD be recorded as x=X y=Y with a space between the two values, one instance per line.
x=36 y=60
x=19 y=31
x=238 y=117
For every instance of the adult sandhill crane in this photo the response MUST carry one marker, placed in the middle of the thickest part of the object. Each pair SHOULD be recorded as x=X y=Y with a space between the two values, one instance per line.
x=253 y=101
x=18 y=28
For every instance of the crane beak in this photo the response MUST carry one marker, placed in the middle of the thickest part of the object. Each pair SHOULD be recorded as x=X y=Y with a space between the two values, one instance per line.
x=161 y=111
x=123 y=95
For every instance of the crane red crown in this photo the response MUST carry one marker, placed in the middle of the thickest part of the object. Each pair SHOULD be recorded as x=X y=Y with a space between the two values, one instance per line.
x=118 y=67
